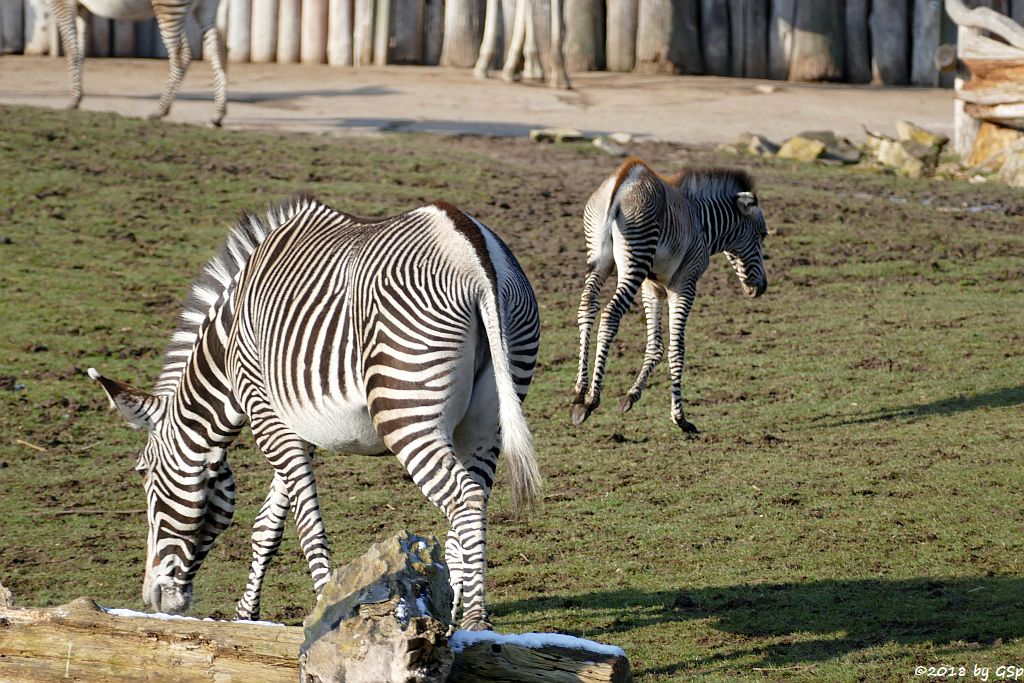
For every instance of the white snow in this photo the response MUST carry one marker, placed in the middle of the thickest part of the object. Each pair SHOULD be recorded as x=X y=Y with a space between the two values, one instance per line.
x=421 y=605
x=118 y=612
x=460 y=640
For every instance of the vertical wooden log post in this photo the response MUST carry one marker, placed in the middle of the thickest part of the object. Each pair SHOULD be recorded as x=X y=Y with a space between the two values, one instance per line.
x=264 y=30
x=313 y=40
x=339 y=32
x=926 y=27
x=890 y=30
x=55 y=49
x=463 y=30
x=858 y=46
x=406 y=32
x=667 y=37
x=362 y=32
x=433 y=31
x=124 y=38
x=36 y=27
x=584 y=35
x=749 y=45
x=12 y=19
x=381 y=32
x=620 y=39
x=818 y=41
x=780 y=38
x=289 y=31
x=99 y=36
x=239 y=36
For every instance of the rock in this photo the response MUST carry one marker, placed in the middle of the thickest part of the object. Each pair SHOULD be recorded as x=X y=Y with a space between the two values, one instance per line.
x=766 y=89
x=609 y=146
x=755 y=145
x=837 y=148
x=621 y=137
x=907 y=157
x=556 y=135
x=909 y=132
x=991 y=145
x=6 y=599
x=384 y=617
x=801 y=149
x=1012 y=172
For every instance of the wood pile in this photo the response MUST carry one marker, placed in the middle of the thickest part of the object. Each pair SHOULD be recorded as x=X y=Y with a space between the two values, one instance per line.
x=989 y=106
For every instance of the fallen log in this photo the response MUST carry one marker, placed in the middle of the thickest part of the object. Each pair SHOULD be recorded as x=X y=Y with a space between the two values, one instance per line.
x=383 y=617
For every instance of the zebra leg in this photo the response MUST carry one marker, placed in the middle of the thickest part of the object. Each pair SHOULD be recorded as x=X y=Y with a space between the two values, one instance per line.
x=625 y=293
x=65 y=13
x=446 y=482
x=293 y=464
x=654 y=297
x=679 y=304
x=266 y=539
x=596 y=277
x=171 y=20
x=213 y=45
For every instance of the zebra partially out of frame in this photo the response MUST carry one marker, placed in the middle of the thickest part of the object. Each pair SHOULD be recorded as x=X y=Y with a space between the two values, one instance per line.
x=659 y=235
x=74 y=19
x=415 y=335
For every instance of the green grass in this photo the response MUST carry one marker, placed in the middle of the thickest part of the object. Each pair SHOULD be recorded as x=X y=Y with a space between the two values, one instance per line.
x=851 y=509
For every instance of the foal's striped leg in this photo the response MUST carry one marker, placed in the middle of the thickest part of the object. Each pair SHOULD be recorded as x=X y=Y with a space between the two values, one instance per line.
x=585 y=316
x=679 y=304
x=637 y=268
x=213 y=46
x=654 y=297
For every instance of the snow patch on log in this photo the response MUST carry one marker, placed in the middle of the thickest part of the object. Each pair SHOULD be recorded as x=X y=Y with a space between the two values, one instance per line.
x=119 y=612
x=460 y=640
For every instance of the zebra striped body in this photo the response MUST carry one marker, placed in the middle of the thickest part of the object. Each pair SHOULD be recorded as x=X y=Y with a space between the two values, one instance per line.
x=74 y=19
x=415 y=335
x=659 y=235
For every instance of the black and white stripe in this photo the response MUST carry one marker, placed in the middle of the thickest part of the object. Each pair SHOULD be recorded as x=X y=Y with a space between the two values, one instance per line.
x=415 y=335
x=74 y=19
x=659 y=235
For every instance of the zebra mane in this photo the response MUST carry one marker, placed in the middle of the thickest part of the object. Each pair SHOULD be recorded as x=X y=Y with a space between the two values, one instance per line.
x=216 y=278
x=704 y=183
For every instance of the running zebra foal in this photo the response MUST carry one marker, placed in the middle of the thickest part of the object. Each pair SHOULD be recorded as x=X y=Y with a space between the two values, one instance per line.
x=659 y=234
x=415 y=335
x=74 y=18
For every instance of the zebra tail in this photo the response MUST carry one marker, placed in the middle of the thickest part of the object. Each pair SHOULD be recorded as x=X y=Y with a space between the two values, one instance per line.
x=516 y=440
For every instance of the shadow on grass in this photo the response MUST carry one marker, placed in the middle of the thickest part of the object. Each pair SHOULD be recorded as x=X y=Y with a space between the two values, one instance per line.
x=833 y=618
x=997 y=398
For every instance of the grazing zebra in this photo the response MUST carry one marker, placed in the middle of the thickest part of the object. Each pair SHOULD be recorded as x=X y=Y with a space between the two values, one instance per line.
x=415 y=335
x=659 y=234
x=170 y=16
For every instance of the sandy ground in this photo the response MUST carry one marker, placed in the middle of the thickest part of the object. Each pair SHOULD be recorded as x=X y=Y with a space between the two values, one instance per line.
x=328 y=99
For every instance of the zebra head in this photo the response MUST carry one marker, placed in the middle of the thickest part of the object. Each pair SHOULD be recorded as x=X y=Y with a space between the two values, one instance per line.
x=745 y=249
x=190 y=492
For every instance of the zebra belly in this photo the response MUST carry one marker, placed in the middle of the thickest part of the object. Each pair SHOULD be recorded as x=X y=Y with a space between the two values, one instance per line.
x=336 y=425
x=120 y=9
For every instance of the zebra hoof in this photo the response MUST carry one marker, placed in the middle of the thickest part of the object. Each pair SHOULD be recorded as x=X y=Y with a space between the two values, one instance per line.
x=581 y=411
x=626 y=402
x=686 y=426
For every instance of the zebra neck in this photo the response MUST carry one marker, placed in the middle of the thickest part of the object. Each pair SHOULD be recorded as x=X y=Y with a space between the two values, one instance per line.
x=204 y=396
x=715 y=222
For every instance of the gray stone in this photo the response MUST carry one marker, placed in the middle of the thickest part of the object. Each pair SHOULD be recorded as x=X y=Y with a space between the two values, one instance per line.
x=1012 y=172
x=801 y=149
x=609 y=146
x=906 y=157
x=384 y=617
x=556 y=135
x=910 y=132
x=837 y=148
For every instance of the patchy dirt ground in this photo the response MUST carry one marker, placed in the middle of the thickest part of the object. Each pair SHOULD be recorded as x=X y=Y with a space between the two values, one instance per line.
x=849 y=511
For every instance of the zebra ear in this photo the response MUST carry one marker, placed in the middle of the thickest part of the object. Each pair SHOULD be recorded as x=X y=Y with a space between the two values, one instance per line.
x=746 y=202
x=135 y=405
